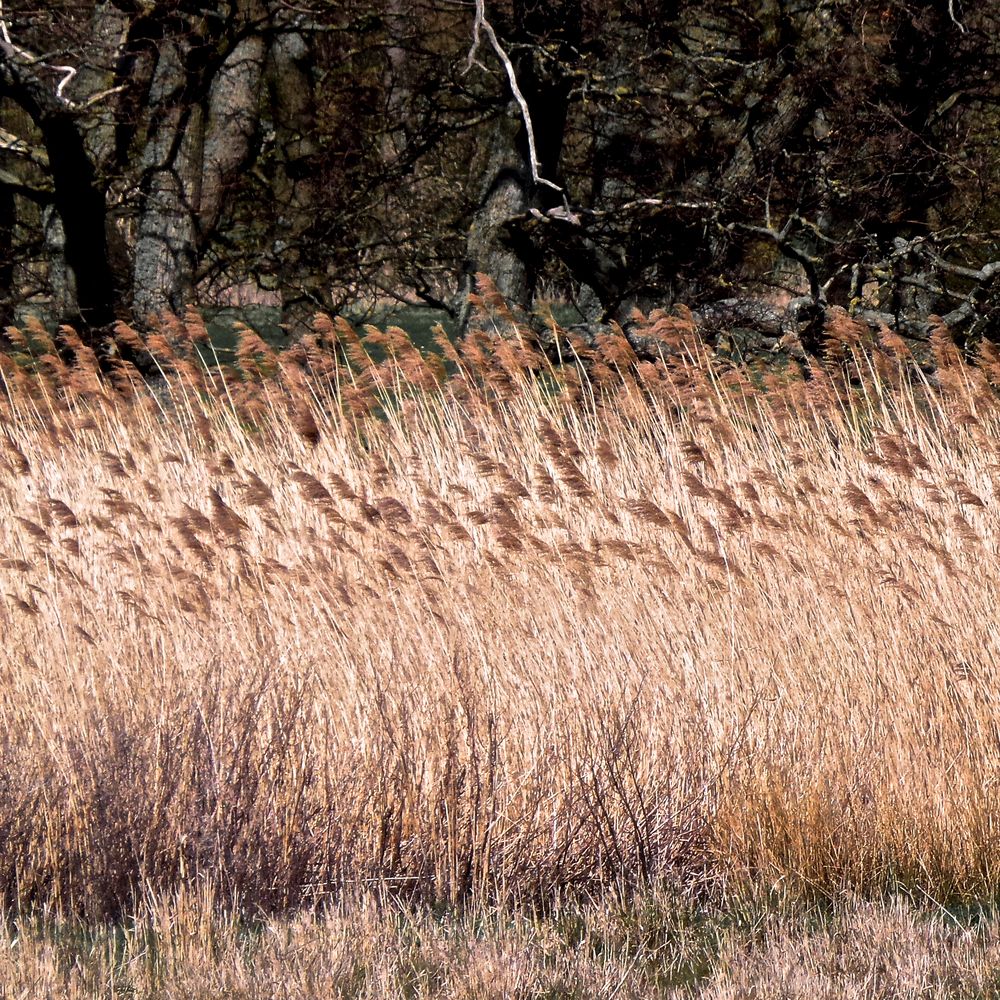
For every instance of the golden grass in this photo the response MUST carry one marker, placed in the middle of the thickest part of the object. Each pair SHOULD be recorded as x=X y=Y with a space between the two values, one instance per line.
x=319 y=625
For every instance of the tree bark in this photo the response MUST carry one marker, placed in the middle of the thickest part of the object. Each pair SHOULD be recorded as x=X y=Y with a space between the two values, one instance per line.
x=233 y=116
x=170 y=191
x=508 y=187
x=397 y=80
x=491 y=248
x=295 y=188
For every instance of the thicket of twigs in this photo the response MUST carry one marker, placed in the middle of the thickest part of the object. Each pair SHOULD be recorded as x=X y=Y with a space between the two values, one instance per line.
x=474 y=628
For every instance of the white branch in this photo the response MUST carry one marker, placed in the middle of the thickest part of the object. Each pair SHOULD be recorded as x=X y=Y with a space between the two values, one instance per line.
x=951 y=13
x=68 y=72
x=480 y=26
x=5 y=34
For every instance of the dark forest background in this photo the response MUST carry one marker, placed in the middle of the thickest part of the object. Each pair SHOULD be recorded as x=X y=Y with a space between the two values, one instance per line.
x=760 y=162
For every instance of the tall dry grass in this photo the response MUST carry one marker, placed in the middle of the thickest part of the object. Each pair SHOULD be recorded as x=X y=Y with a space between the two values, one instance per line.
x=482 y=629
x=187 y=947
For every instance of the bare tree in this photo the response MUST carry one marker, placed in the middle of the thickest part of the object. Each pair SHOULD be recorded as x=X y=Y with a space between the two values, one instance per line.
x=762 y=162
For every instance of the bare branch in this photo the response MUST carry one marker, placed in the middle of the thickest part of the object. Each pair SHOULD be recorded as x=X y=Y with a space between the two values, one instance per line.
x=68 y=72
x=951 y=13
x=783 y=241
x=11 y=143
x=482 y=25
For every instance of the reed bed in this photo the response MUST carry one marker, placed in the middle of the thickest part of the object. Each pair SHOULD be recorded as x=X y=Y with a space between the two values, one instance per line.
x=478 y=629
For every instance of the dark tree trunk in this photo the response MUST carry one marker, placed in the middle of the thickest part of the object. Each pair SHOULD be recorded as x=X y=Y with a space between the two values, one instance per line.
x=78 y=196
x=491 y=248
x=80 y=203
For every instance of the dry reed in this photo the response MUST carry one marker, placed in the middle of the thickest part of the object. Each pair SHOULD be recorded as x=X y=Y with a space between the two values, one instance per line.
x=321 y=624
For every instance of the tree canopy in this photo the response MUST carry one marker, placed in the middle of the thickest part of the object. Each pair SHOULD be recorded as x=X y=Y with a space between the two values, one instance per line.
x=760 y=162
